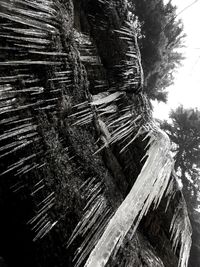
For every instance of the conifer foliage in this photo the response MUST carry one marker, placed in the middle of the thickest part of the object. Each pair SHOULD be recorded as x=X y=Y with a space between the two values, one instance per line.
x=162 y=37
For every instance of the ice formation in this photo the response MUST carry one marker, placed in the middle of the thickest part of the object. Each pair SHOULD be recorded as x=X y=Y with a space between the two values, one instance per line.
x=155 y=180
x=181 y=232
x=148 y=189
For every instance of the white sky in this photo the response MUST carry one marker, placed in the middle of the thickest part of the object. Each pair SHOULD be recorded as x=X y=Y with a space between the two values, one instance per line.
x=186 y=88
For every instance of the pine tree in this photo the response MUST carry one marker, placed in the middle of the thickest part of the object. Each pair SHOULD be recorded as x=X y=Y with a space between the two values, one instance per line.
x=162 y=36
x=184 y=133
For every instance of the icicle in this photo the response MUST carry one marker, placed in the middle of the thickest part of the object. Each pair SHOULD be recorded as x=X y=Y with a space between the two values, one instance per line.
x=40 y=223
x=94 y=221
x=97 y=214
x=29 y=62
x=16 y=187
x=45 y=230
x=48 y=53
x=19 y=130
x=150 y=259
x=42 y=211
x=18 y=164
x=66 y=79
x=27 y=39
x=31 y=90
x=27 y=169
x=18 y=147
x=105 y=100
x=47 y=199
x=17 y=121
x=38 y=189
x=46 y=108
x=25 y=17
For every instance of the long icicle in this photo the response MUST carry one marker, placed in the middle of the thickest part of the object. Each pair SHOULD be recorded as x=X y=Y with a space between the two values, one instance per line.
x=181 y=231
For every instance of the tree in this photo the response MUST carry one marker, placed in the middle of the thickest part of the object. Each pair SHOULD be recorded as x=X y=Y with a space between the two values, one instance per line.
x=162 y=36
x=184 y=133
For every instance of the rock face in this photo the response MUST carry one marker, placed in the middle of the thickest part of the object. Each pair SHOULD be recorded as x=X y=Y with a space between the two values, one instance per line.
x=54 y=56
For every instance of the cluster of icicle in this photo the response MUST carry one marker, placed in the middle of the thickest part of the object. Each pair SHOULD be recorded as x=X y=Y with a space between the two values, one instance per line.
x=30 y=37
x=151 y=185
x=181 y=233
x=153 y=182
x=103 y=235
x=148 y=189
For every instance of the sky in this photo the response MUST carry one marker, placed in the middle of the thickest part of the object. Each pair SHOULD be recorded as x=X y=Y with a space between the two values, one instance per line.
x=186 y=88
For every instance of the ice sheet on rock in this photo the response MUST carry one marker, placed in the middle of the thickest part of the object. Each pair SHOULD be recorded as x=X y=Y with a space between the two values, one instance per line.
x=148 y=189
